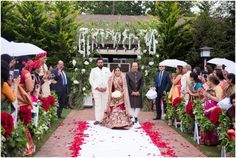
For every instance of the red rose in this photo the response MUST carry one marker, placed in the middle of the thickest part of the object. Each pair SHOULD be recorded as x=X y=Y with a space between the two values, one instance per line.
x=189 y=108
x=45 y=104
x=7 y=123
x=25 y=114
x=231 y=134
x=51 y=100
x=215 y=114
x=176 y=102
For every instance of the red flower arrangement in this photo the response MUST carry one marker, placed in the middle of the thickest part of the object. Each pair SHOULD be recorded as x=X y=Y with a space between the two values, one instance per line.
x=231 y=134
x=176 y=102
x=189 y=108
x=214 y=116
x=25 y=114
x=45 y=104
x=7 y=123
x=79 y=138
x=156 y=139
x=51 y=100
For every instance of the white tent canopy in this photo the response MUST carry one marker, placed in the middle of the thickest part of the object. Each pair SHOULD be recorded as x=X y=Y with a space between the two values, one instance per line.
x=172 y=63
x=19 y=49
x=230 y=65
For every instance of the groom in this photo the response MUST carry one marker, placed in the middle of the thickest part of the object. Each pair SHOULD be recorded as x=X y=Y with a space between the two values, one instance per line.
x=99 y=81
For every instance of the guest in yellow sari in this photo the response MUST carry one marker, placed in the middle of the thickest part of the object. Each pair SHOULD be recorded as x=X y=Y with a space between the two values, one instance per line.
x=117 y=114
x=175 y=90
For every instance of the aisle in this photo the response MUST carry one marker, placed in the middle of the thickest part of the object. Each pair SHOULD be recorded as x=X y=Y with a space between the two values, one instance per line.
x=57 y=145
x=103 y=142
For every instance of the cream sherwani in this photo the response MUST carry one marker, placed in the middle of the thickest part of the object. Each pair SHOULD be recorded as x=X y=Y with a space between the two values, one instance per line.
x=99 y=78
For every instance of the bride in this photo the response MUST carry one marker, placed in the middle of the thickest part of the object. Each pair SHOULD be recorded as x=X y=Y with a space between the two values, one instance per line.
x=118 y=107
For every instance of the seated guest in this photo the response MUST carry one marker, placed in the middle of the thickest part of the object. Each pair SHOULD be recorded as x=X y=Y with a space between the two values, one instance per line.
x=231 y=85
x=223 y=83
x=197 y=85
x=231 y=110
x=213 y=95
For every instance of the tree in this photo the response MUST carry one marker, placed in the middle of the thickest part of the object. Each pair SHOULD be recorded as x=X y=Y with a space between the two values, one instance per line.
x=7 y=12
x=213 y=31
x=31 y=21
x=62 y=31
x=175 y=37
x=113 y=7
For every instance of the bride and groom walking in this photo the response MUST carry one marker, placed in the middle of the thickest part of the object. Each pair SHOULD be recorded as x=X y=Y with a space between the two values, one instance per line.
x=118 y=97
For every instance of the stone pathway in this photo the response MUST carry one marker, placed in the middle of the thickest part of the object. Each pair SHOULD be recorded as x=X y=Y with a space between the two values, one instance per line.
x=56 y=145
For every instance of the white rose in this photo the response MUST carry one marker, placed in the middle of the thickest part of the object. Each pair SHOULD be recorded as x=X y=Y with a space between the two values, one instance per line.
x=157 y=55
x=84 y=89
x=142 y=67
x=90 y=59
x=76 y=82
x=139 y=57
x=76 y=69
x=73 y=62
x=86 y=63
x=146 y=72
x=151 y=63
x=144 y=50
x=83 y=71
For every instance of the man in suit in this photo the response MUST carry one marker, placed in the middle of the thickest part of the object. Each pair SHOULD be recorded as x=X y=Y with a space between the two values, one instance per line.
x=99 y=82
x=163 y=84
x=60 y=86
x=135 y=87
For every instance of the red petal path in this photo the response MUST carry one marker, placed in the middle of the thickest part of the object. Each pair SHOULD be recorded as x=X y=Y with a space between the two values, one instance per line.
x=57 y=144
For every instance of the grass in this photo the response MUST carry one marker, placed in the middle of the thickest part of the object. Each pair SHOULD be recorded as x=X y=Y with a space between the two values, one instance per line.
x=209 y=151
x=54 y=126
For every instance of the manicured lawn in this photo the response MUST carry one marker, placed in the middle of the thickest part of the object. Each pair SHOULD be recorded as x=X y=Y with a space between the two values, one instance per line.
x=209 y=151
x=55 y=124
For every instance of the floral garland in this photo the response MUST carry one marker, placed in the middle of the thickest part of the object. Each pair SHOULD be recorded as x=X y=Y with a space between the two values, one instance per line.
x=183 y=116
x=25 y=114
x=7 y=124
x=227 y=135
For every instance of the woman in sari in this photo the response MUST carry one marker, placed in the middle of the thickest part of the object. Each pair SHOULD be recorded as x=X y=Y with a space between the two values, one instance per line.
x=175 y=90
x=118 y=107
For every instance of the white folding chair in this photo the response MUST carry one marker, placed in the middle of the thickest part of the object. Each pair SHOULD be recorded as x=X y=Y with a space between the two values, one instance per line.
x=223 y=152
x=196 y=136
x=35 y=110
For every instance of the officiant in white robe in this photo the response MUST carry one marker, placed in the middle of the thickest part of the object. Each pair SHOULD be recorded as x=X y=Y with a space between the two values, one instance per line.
x=99 y=81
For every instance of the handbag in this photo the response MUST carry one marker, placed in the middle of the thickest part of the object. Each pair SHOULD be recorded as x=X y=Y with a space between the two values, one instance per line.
x=151 y=94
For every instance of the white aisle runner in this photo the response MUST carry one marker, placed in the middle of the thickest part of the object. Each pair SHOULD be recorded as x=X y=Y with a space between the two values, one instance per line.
x=103 y=142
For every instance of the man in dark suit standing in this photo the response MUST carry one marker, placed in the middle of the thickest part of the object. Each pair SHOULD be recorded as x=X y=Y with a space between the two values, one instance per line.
x=163 y=84
x=60 y=86
x=135 y=87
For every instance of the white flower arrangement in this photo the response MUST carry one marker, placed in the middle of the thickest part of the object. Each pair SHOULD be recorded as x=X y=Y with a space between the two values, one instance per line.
x=146 y=72
x=151 y=63
x=86 y=63
x=74 y=62
x=76 y=82
x=116 y=94
x=90 y=60
x=83 y=71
